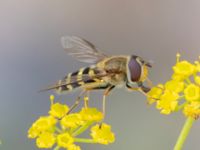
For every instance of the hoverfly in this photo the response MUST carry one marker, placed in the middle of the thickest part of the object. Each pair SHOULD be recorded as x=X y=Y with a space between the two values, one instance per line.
x=107 y=72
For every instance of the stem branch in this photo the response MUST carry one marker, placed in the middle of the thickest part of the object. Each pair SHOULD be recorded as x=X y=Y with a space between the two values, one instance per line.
x=82 y=129
x=81 y=140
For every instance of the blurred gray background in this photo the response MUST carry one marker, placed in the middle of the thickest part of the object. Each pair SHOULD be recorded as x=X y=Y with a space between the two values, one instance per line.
x=31 y=57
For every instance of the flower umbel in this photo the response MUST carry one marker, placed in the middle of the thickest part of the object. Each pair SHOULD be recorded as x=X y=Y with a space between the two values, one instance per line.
x=61 y=129
x=180 y=93
x=185 y=84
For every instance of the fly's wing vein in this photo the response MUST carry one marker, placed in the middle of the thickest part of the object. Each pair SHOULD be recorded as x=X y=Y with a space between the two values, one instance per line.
x=82 y=49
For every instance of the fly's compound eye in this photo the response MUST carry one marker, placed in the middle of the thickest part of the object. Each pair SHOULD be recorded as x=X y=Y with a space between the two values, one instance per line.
x=134 y=69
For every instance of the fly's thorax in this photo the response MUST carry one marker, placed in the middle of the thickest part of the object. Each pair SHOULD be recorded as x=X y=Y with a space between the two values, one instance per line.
x=115 y=68
x=114 y=63
x=137 y=71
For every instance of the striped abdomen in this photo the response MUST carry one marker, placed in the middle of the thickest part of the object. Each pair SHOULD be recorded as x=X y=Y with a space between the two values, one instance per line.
x=77 y=79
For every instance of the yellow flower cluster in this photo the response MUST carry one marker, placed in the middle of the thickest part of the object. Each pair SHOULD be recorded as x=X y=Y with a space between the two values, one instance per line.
x=60 y=129
x=182 y=92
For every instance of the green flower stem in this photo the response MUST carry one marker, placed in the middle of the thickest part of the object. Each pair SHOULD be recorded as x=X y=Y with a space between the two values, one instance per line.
x=180 y=107
x=82 y=140
x=58 y=130
x=184 y=133
x=82 y=128
x=56 y=148
x=72 y=130
x=188 y=80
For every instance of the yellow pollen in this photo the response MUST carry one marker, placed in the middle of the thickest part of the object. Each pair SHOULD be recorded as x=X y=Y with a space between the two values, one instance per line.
x=51 y=97
x=178 y=57
x=86 y=98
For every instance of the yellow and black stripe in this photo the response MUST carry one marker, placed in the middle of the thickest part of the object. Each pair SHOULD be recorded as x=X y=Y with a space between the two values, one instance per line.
x=77 y=79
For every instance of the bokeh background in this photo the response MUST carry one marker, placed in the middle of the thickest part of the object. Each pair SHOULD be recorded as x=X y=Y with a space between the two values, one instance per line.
x=31 y=57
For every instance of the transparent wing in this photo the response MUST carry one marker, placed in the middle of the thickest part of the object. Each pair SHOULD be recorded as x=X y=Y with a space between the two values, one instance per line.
x=81 y=49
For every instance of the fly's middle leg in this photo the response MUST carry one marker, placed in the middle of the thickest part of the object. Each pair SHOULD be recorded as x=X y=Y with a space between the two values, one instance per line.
x=106 y=93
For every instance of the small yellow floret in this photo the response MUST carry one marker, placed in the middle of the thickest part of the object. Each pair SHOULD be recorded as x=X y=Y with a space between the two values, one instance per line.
x=192 y=92
x=174 y=85
x=91 y=114
x=64 y=140
x=33 y=132
x=45 y=140
x=184 y=69
x=102 y=134
x=72 y=121
x=58 y=110
x=52 y=97
x=177 y=77
x=178 y=55
x=197 y=80
x=168 y=102
x=155 y=93
x=197 y=66
x=44 y=123
x=86 y=98
x=192 y=110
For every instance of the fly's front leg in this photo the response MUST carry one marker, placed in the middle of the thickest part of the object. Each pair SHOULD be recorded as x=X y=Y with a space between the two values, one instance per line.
x=137 y=89
x=149 y=82
x=141 y=88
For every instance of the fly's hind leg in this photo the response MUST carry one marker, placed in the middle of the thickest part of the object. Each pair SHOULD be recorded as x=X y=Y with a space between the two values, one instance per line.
x=107 y=91
x=78 y=99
